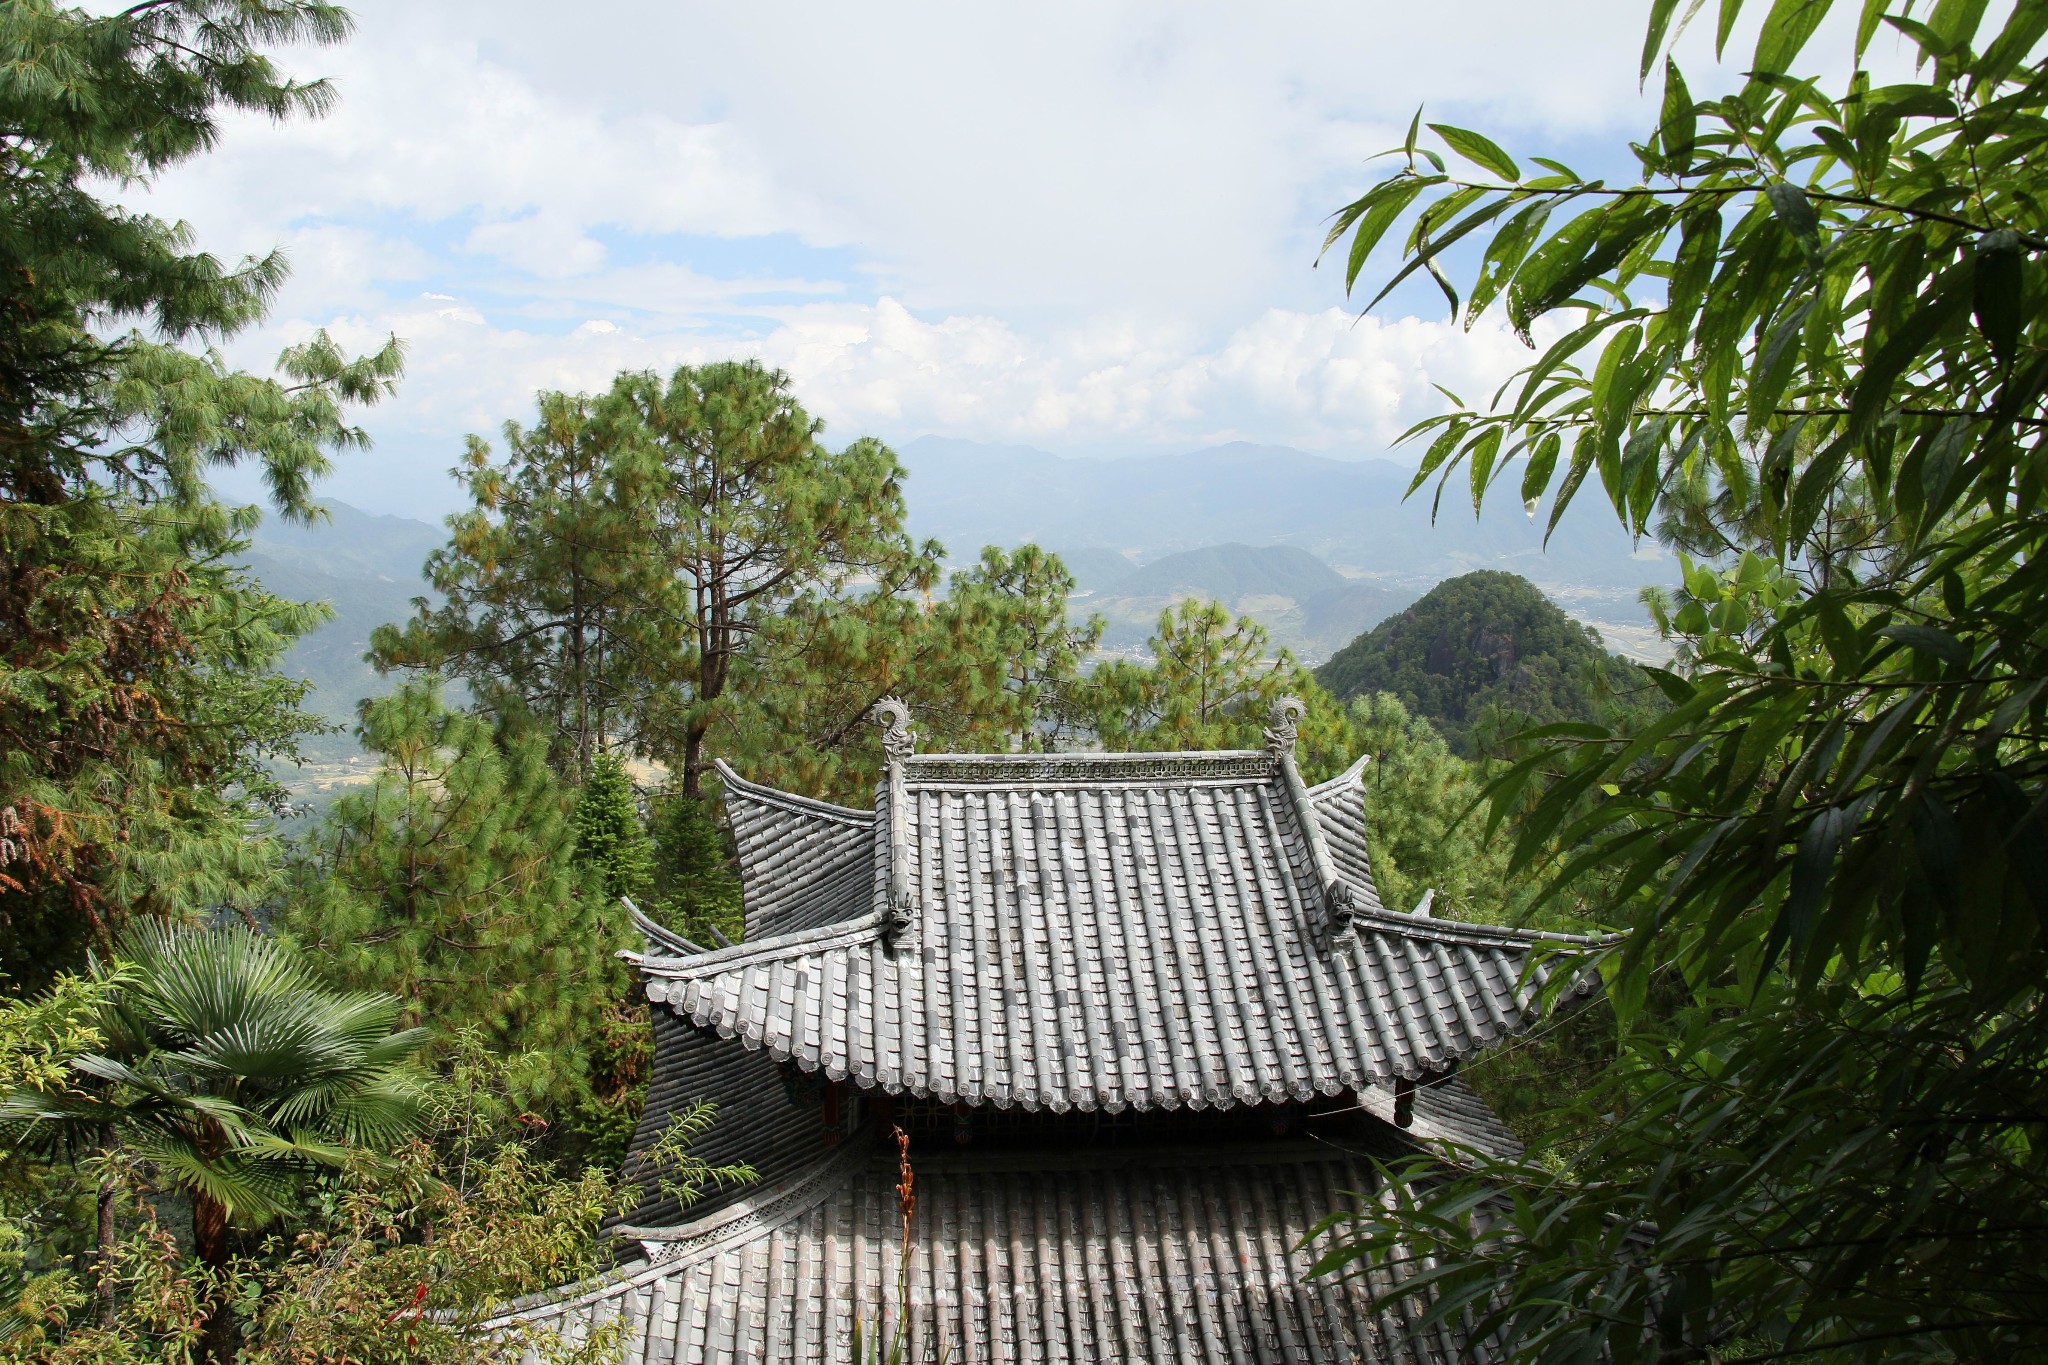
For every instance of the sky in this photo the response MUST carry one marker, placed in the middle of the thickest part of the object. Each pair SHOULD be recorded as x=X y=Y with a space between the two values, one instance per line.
x=1089 y=228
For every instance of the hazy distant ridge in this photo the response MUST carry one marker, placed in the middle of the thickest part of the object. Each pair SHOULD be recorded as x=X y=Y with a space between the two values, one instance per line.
x=1352 y=514
x=1258 y=528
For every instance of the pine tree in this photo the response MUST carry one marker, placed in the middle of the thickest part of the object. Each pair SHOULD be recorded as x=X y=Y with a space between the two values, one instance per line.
x=137 y=701
x=1211 y=684
x=1009 y=620
x=992 y=665
x=752 y=513
x=551 y=590
x=452 y=882
x=696 y=886
x=1419 y=817
x=610 y=839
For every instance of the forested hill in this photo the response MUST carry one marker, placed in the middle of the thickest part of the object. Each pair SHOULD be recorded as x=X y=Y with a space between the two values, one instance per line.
x=1481 y=640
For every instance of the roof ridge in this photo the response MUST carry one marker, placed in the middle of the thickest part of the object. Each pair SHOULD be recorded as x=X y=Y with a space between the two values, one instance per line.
x=1066 y=755
x=658 y=933
x=825 y=936
x=1465 y=930
x=797 y=1197
x=808 y=805
x=1351 y=777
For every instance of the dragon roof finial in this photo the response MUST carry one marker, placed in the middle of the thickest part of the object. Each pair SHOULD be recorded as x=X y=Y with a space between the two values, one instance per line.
x=899 y=741
x=1282 y=725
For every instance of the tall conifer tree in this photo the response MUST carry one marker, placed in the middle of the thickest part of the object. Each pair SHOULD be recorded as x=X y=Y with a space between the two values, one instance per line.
x=752 y=512
x=551 y=589
x=137 y=702
x=610 y=838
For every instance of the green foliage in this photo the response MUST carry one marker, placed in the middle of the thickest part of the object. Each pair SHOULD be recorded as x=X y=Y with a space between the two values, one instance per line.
x=750 y=513
x=696 y=883
x=610 y=840
x=1013 y=673
x=410 y=1254
x=992 y=665
x=232 y=1075
x=1211 y=684
x=1480 y=656
x=1420 y=799
x=681 y=1174
x=452 y=882
x=160 y=1303
x=1825 y=1140
x=549 y=589
x=137 y=705
x=399 y=1253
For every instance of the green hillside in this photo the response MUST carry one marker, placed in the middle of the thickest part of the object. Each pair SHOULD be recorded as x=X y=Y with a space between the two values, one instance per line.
x=1095 y=567
x=367 y=568
x=1479 y=641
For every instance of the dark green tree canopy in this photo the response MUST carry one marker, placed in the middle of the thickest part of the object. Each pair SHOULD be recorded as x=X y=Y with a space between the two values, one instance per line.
x=554 y=602
x=139 y=705
x=1481 y=641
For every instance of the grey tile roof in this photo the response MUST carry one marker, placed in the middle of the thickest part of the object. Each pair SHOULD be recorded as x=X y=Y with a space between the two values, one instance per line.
x=766 y=1118
x=1125 y=1256
x=1147 y=930
x=802 y=862
x=1339 y=806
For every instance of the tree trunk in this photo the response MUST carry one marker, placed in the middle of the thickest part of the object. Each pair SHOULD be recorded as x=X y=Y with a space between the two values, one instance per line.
x=218 y=1338
x=693 y=758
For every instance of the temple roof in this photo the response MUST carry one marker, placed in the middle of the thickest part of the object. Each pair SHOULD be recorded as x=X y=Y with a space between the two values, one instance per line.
x=1095 y=1256
x=1094 y=931
x=803 y=863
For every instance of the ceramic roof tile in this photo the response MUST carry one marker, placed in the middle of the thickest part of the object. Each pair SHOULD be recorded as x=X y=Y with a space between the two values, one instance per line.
x=1091 y=1257
x=803 y=863
x=1097 y=931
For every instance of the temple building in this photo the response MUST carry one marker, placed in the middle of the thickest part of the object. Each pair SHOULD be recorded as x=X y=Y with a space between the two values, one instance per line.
x=1144 y=1022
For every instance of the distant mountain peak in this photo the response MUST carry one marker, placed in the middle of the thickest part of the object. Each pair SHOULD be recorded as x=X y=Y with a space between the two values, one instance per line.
x=1481 y=640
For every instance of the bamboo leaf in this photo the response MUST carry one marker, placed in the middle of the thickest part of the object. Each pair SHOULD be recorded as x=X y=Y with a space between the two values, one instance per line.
x=1536 y=476
x=1785 y=32
x=1795 y=211
x=1678 y=128
x=1944 y=302
x=1478 y=148
x=1996 y=280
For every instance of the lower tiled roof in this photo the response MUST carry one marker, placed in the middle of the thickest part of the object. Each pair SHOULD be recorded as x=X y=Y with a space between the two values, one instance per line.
x=1131 y=1256
x=1120 y=1010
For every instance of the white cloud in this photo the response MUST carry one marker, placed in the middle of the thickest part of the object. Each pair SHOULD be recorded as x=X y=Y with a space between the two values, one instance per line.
x=1086 y=225
x=548 y=245
x=1319 y=380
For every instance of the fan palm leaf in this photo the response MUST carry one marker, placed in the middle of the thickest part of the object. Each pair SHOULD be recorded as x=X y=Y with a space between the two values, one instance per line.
x=231 y=1070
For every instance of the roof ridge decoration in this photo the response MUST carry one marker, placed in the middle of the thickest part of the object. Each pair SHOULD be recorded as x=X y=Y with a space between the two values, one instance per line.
x=899 y=745
x=1283 y=726
x=735 y=784
x=1340 y=901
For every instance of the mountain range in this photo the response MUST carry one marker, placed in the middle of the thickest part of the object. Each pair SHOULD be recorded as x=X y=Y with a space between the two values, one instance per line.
x=367 y=568
x=1303 y=603
x=1352 y=514
x=1317 y=549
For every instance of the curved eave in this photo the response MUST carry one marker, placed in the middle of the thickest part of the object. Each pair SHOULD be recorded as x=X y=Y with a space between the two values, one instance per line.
x=790 y=801
x=805 y=941
x=725 y=993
